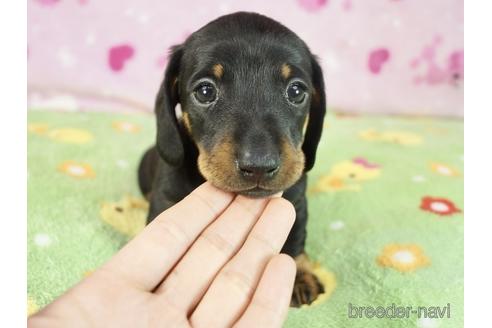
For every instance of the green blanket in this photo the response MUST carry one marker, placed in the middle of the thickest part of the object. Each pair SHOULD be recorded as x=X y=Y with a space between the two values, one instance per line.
x=385 y=202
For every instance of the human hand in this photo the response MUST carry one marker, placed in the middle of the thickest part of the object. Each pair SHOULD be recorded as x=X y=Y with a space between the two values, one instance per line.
x=209 y=261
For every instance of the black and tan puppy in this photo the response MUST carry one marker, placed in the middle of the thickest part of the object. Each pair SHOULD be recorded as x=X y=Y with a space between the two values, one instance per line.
x=252 y=100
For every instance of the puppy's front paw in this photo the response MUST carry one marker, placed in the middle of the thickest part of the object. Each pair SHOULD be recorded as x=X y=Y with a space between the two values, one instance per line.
x=307 y=286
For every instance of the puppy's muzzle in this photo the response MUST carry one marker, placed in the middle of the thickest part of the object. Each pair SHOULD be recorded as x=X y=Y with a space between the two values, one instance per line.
x=258 y=168
x=258 y=162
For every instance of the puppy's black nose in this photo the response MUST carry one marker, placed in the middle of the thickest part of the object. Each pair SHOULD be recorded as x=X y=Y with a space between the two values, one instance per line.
x=258 y=166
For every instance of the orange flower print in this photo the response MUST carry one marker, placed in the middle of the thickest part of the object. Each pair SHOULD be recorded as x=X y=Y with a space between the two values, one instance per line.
x=71 y=135
x=37 y=128
x=77 y=170
x=404 y=258
x=122 y=126
x=444 y=169
x=439 y=206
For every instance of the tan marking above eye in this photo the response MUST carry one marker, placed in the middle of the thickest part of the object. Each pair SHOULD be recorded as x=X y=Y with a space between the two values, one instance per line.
x=218 y=70
x=286 y=70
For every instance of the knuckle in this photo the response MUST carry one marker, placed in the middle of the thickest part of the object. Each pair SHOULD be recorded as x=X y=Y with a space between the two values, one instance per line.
x=238 y=280
x=265 y=304
x=217 y=241
x=251 y=206
x=264 y=243
x=205 y=203
x=170 y=229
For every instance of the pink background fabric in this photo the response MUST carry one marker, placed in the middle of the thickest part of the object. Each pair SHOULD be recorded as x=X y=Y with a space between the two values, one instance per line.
x=378 y=56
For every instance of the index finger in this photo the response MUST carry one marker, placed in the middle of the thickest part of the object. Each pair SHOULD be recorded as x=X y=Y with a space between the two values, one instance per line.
x=146 y=259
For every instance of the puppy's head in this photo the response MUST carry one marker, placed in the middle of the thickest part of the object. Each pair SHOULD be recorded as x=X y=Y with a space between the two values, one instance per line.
x=252 y=100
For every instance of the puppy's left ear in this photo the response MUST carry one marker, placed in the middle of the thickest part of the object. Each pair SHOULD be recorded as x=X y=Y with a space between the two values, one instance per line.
x=169 y=136
x=316 y=114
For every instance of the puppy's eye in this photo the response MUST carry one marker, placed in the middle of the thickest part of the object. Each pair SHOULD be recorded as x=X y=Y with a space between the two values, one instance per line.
x=205 y=93
x=296 y=93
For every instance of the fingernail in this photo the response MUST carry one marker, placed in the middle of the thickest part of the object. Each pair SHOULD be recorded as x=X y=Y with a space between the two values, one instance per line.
x=277 y=195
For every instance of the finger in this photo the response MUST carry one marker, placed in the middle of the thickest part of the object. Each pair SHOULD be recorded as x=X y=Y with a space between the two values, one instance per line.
x=277 y=195
x=233 y=287
x=213 y=248
x=145 y=260
x=271 y=300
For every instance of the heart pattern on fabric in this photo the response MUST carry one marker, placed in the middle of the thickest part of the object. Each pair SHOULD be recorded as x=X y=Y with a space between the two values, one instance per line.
x=119 y=55
x=377 y=58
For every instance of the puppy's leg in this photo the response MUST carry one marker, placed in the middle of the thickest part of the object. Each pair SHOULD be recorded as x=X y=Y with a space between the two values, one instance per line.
x=170 y=185
x=146 y=171
x=158 y=204
x=306 y=286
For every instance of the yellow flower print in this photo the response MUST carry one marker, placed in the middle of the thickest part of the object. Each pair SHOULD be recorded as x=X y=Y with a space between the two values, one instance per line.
x=333 y=183
x=70 y=135
x=436 y=131
x=444 y=169
x=404 y=258
x=348 y=175
x=122 y=126
x=396 y=137
x=32 y=307
x=370 y=135
x=127 y=216
x=402 y=138
x=77 y=170
x=37 y=128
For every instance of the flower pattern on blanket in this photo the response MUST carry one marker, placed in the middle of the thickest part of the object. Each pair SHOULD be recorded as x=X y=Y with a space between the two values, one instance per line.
x=62 y=135
x=404 y=258
x=70 y=135
x=439 y=206
x=37 y=128
x=127 y=127
x=396 y=137
x=76 y=169
x=94 y=196
x=348 y=175
x=128 y=215
x=444 y=169
x=32 y=307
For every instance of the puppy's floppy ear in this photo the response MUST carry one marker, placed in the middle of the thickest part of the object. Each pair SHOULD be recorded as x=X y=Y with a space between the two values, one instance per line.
x=316 y=115
x=169 y=135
